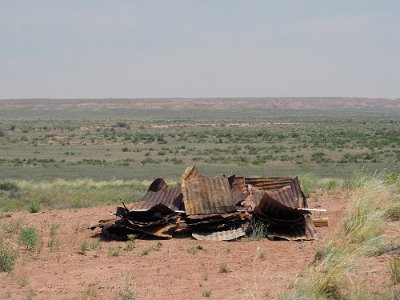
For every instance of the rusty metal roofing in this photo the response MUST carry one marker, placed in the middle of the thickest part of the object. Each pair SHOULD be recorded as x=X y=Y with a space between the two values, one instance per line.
x=302 y=231
x=284 y=221
x=239 y=190
x=268 y=183
x=216 y=208
x=283 y=189
x=170 y=197
x=285 y=196
x=223 y=235
x=206 y=194
x=157 y=185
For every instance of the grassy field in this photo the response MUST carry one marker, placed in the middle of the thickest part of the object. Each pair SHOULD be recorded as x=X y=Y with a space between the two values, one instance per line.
x=52 y=158
x=73 y=141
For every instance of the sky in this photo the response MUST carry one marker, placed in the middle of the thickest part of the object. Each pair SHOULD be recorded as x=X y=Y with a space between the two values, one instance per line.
x=199 y=48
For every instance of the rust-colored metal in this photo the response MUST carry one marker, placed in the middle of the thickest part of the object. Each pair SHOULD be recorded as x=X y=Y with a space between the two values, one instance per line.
x=215 y=208
x=283 y=221
x=170 y=197
x=206 y=194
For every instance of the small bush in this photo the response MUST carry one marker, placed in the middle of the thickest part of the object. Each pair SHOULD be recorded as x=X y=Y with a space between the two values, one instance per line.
x=8 y=186
x=258 y=230
x=195 y=249
x=395 y=270
x=130 y=244
x=53 y=243
x=114 y=251
x=155 y=247
x=95 y=245
x=28 y=236
x=34 y=206
x=224 y=268
x=366 y=212
x=13 y=227
x=84 y=247
x=206 y=293
x=7 y=258
x=127 y=294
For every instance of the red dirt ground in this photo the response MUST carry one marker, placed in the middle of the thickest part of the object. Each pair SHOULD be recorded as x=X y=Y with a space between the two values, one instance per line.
x=258 y=269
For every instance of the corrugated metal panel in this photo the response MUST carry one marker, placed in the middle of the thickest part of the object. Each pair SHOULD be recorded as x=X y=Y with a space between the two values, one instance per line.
x=277 y=213
x=170 y=197
x=206 y=194
x=239 y=189
x=158 y=185
x=284 y=221
x=269 y=183
x=295 y=185
x=302 y=231
x=285 y=196
x=224 y=235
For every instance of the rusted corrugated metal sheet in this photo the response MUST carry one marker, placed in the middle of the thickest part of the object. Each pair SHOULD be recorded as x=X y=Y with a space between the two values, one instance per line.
x=268 y=183
x=285 y=196
x=206 y=194
x=284 y=221
x=216 y=208
x=239 y=189
x=157 y=185
x=297 y=232
x=170 y=197
x=223 y=235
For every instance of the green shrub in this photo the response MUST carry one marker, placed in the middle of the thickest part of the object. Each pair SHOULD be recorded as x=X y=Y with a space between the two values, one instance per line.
x=34 y=206
x=84 y=247
x=195 y=249
x=224 y=268
x=28 y=236
x=395 y=270
x=8 y=257
x=258 y=230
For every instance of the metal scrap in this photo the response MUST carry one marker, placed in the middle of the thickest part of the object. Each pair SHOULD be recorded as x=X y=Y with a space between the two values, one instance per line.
x=215 y=208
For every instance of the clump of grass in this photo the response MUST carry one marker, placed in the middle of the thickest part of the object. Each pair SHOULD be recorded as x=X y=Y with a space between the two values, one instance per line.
x=53 y=243
x=375 y=246
x=23 y=281
x=13 y=227
x=130 y=244
x=8 y=258
x=195 y=249
x=360 y=235
x=84 y=247
x=8 y=186
x=90 y=293
x=34 y=206
x=29 y=237
x=114 y=251
x=95 y=245
x=31 y=294
x=224 y=268
x=366 y=212
x=395 y=270
x=393 y=213
x=155 y=247
x=127 y=293
x=258 y=230
x=206 y=293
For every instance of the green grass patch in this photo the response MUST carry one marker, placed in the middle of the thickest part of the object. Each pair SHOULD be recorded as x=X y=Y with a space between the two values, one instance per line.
x=28 y=237
x=8 y=258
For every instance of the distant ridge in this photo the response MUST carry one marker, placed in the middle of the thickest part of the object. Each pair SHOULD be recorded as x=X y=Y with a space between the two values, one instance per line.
x=190 y=107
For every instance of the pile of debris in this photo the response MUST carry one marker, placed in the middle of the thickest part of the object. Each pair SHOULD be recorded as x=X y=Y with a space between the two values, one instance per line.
x=215 y=208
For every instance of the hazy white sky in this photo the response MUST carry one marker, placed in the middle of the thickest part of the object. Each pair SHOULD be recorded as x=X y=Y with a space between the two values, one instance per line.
x=202 y=48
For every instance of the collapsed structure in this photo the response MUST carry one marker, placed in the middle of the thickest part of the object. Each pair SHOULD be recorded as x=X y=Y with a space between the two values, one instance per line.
x=215 y=208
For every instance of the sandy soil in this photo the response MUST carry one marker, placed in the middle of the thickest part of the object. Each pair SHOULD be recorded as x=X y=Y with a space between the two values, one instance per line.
x=257 y=269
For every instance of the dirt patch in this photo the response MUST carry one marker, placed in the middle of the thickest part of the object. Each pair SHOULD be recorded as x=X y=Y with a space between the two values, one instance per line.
x=178 y=268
